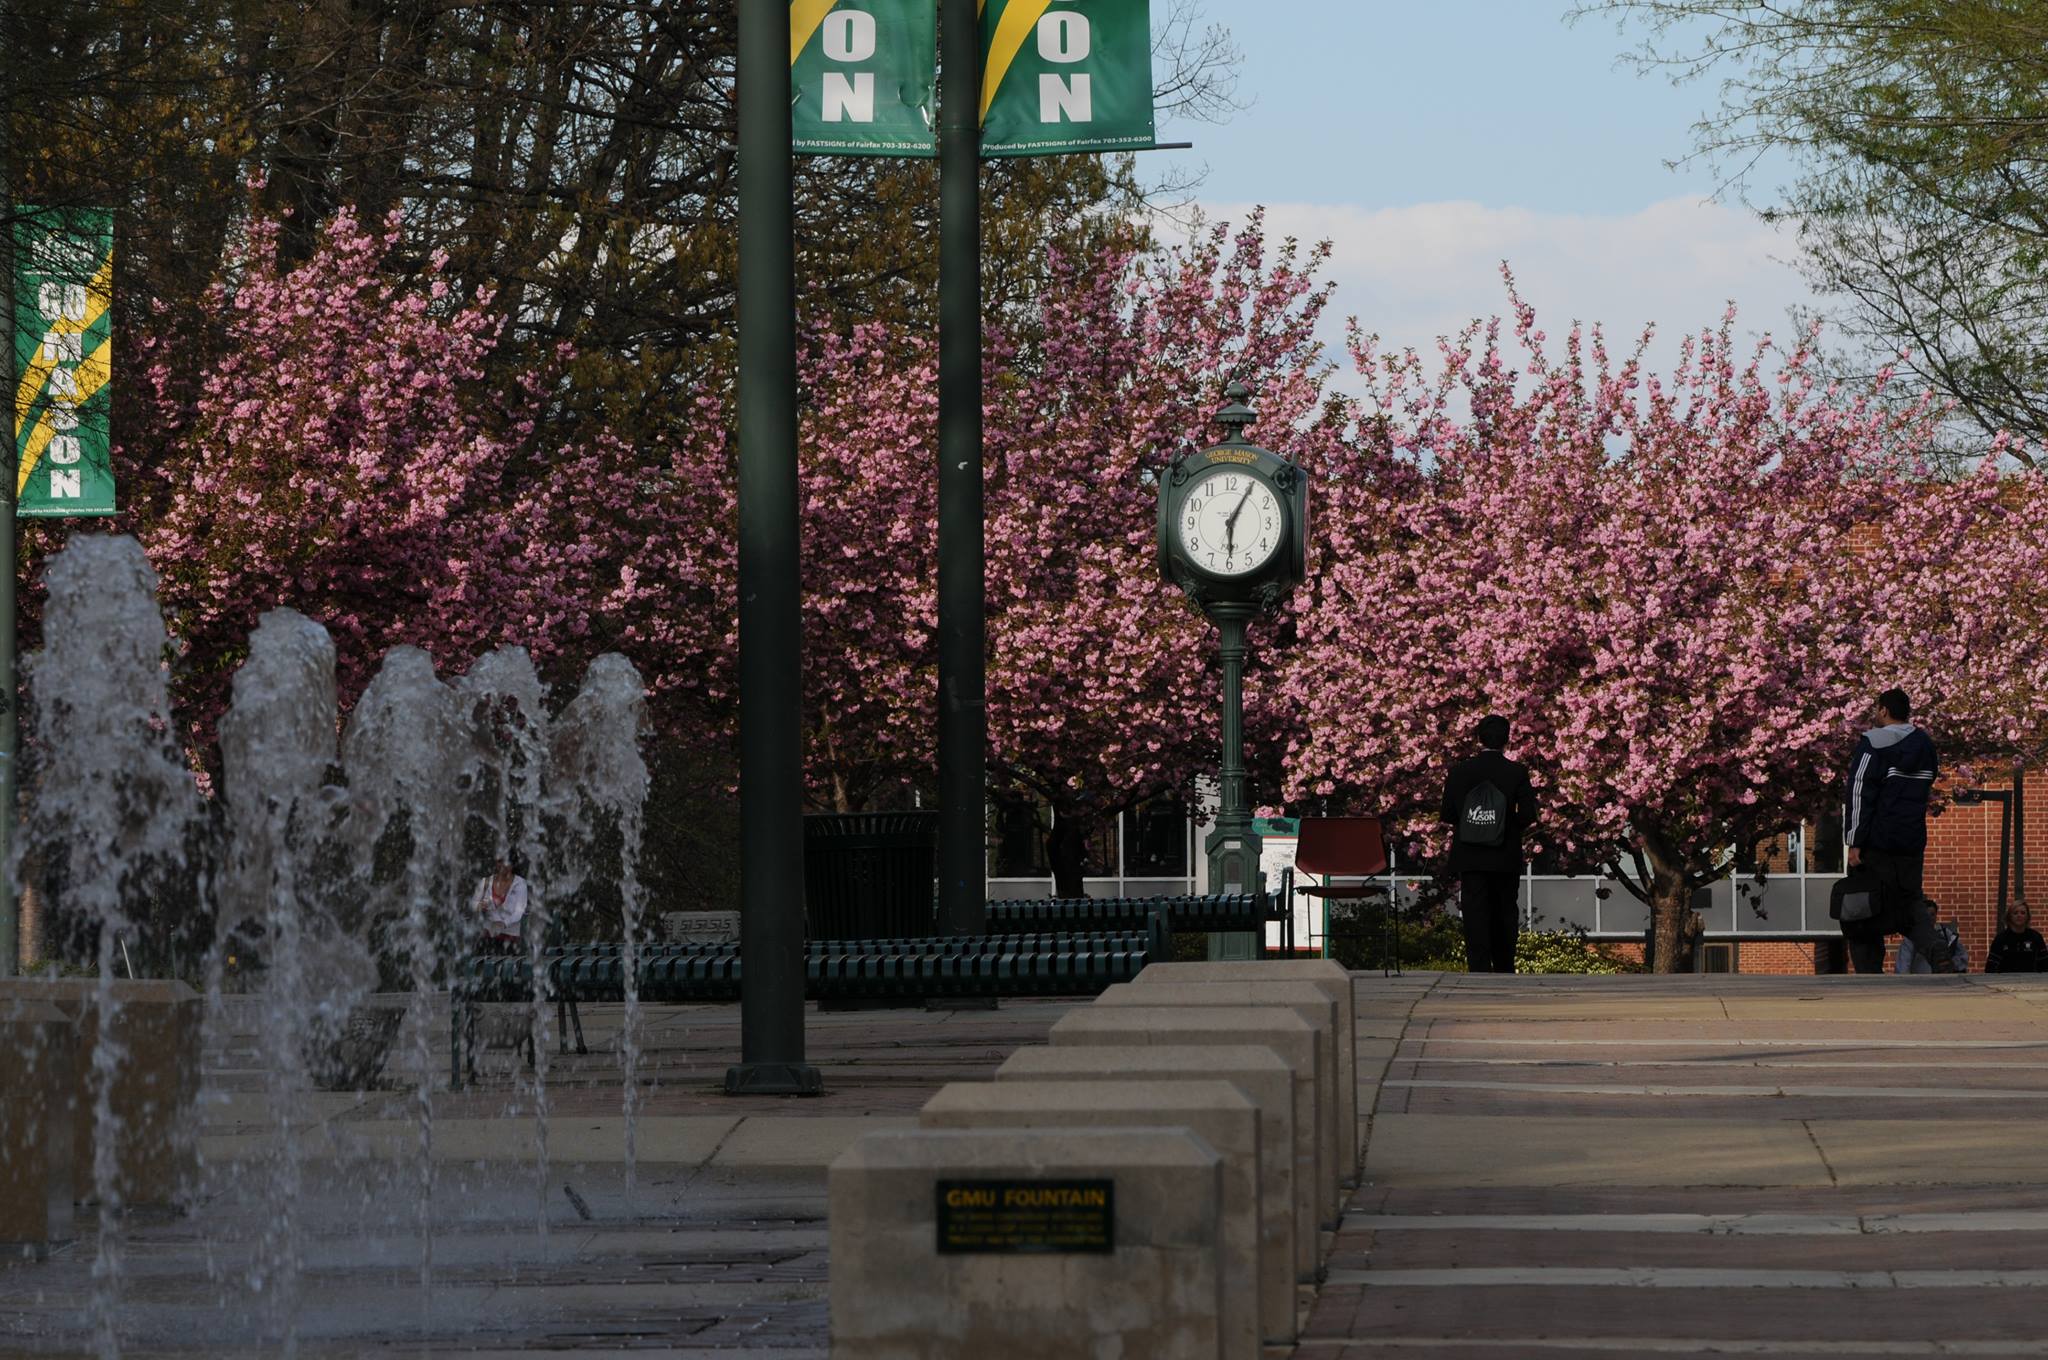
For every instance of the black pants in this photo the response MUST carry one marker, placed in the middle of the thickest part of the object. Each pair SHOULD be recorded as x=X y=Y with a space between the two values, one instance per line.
x=1492 y=906
x=1901 y=910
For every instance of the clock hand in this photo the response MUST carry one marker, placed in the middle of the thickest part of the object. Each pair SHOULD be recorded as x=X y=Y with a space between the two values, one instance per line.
x=1230 y=523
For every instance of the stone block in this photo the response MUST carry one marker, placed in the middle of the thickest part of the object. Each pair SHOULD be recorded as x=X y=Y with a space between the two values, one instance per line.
x=895 y=1296
x=1254 y=1070
x=1220 y=1114
x=156 y=1084
x=1336 y=984
x=1292 y=1038
x=37 y=1072
x=1312 y=1003
x=1302 y=999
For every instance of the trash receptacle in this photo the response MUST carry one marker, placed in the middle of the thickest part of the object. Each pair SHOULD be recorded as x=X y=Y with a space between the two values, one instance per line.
x=870 y=875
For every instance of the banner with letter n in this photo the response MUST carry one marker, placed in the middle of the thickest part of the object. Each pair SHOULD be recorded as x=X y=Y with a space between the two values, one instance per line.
x=862 y=76
x=63 y=361
x=1060 y=76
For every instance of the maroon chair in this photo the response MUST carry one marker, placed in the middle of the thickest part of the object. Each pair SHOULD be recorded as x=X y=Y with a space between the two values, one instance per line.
x=1337 y=848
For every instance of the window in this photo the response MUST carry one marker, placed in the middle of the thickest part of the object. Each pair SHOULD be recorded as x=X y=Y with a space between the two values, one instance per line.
x=1016 y=843
x=1824 y=850
x=1156 y=840
x=1717 y=956
x=1098 y=854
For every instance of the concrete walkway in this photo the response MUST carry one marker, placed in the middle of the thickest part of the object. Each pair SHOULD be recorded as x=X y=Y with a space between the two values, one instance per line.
x=1556 y=1168
x=1567 y=1167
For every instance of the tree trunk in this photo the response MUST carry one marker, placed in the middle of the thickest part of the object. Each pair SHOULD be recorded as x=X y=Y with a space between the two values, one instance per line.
x=1672 y=925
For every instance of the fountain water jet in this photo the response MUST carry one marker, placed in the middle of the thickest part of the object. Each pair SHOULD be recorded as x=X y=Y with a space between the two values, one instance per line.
x=503 y=705
x=597 y=790
x=110 y=810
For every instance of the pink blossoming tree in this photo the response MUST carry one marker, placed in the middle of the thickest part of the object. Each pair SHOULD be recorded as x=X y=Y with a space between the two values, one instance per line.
x=346 y=455
x=1669 y=587
x=1101 y=686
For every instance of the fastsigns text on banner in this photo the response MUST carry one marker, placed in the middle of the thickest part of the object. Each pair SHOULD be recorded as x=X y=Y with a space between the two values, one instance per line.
x=862 y=75
x=63 y=361
x=1063 y=75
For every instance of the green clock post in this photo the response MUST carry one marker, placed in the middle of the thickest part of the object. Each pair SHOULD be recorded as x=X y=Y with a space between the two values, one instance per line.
x=1233 y=535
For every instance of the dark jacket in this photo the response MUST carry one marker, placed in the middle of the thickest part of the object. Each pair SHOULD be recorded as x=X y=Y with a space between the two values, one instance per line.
x=2016 y=952
x=1512 y=779
x=1890 y=778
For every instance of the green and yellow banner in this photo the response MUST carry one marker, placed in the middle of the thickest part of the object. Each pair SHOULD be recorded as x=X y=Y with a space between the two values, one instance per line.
x=1060 y=76
x=862 y=75
x=63 y=361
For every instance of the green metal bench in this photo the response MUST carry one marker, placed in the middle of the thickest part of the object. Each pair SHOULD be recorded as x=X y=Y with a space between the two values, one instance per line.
x=1028 y=963
x=1228 y=912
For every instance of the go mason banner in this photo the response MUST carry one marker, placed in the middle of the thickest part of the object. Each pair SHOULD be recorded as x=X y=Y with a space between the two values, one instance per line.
x=861 y=77
x=63 y=361
x=1065 y=75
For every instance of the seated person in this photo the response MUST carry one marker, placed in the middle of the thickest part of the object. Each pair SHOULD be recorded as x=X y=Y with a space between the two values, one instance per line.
x=2018 y=948
x=1908 y=959
x=499 y=904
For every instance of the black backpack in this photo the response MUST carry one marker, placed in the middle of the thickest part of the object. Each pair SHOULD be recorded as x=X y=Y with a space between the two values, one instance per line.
x=1484 y=818
x=1854 y=897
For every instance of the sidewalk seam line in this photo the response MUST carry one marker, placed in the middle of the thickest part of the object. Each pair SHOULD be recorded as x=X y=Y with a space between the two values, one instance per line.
x=1820 y=1152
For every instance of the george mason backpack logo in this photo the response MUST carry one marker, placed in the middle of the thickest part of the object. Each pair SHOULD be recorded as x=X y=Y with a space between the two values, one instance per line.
x=1484 y=818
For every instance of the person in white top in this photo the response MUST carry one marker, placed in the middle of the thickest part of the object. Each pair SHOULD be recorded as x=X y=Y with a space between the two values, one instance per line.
x=500 y=902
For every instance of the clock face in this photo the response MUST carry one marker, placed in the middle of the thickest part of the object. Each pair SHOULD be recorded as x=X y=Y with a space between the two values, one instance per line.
x=1229 y=523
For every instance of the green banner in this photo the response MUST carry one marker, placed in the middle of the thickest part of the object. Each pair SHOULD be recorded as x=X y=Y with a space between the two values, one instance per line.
x=1065 y=75
x=861 y=77
x=63 y=361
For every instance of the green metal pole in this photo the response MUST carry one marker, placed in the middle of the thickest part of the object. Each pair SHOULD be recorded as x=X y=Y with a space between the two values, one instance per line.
x=1233 y=844
x=10 y=717
x=962 y=646
x=771 y=627
x=1235 y=815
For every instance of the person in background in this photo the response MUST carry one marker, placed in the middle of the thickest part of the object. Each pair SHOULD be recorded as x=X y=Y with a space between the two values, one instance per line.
x=1910 y=960
x=2018 y=948
x=1489 y=803
x=499 y=903
x=1891 y=776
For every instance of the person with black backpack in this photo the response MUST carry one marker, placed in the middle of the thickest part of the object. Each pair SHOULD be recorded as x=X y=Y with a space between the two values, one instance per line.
x=1891 y=778
x=1489 y=803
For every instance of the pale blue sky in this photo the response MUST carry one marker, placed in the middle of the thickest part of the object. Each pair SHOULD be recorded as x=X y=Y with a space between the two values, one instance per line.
x=1431 y=139
x=1391 y=103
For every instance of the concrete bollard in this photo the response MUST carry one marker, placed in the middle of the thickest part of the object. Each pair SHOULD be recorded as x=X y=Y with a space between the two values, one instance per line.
x=1290 y=1037
x=1285 y=1255
x=1336 y=984
x=155 y=1090
x=37 y=1061
x=1306 y=1000
x=1216 y=1111
x=1019 y=1244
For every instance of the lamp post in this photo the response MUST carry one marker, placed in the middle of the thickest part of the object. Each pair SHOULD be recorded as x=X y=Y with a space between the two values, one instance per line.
x=2004 y=799
x=771 y=620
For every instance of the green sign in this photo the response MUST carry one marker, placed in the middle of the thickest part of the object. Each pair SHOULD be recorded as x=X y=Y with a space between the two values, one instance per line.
x=63 y=361
x=1064 y=75
x=861 y=77
x=1026 y=1216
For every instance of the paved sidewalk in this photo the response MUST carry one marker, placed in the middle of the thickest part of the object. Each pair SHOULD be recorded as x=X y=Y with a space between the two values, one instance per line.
x=1568 y=1167
x=1556 y=1168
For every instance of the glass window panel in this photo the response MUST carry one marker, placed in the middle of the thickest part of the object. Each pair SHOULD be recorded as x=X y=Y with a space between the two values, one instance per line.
x=1016 y=841
x=1156 y=840
x=1824 y=851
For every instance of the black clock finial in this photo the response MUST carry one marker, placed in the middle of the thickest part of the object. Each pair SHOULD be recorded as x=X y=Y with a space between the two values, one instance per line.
x=1237 y=415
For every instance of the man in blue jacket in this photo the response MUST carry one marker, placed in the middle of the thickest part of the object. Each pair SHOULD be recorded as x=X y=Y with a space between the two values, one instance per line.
x=1891 y=777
